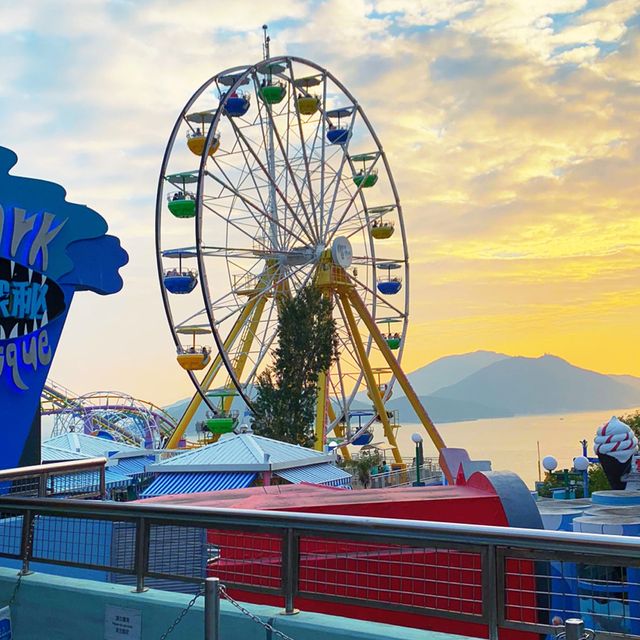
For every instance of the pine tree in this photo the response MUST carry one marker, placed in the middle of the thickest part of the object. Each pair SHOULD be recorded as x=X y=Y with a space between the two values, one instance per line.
x=287 y=392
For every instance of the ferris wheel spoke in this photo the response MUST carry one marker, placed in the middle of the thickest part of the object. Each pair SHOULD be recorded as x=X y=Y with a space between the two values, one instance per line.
x=275 y=187
x=211 y=251
x=250 y=172
x=252 y=205
x=249 y=235
x=354 y=195
x=338 y=177
x=249 y=204
x=294 y=182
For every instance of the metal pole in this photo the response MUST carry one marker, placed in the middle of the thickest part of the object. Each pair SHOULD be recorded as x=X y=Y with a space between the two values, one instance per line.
x=103 y=482
x=212 y=609
x=141 y=557
x=28 y=522
x=574 y=629
x=289 y=571
x=489 y=591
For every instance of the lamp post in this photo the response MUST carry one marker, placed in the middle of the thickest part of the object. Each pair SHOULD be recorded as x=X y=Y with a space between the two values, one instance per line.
x=581 y=464
x=417 y=438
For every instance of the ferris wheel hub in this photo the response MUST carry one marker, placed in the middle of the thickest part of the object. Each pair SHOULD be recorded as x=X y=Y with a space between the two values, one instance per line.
x=342 y=252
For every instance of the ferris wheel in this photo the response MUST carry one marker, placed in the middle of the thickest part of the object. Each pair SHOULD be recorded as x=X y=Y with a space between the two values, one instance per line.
x=274 y=178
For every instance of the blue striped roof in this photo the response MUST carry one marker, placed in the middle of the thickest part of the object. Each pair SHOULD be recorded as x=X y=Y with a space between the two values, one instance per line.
x=325 y=474
x=133 y=466
x=175 y=483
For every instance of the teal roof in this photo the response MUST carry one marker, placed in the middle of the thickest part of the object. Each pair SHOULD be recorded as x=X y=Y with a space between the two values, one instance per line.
x=56 y=454
x=90 y=446
x=243 y=452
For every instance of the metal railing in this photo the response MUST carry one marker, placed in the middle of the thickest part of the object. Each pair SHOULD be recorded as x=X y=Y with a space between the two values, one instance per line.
x=75 y=478
x=495 y=577
x=403 y=478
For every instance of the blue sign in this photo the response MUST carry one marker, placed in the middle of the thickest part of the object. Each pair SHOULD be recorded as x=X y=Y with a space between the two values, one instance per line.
x=49 y=249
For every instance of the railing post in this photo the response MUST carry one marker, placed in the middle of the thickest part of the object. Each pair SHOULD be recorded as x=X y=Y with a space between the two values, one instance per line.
x=103 y=482
x=490 y=587
x=212 y=609
x=26 y=541
x=142 y=554
x=289 y=574
x=42 y=485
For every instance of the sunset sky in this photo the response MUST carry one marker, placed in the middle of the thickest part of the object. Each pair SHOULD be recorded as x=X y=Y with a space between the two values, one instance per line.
x=512 y=128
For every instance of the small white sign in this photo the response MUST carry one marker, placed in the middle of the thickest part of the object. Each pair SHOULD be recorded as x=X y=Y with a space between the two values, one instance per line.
x=120 y=623
x=5 y=624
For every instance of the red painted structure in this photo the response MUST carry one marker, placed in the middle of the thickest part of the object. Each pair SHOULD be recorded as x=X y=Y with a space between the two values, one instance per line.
x=447 y=579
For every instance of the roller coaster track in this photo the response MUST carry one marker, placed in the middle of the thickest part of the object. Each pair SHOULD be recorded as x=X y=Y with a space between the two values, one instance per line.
x=94 y=409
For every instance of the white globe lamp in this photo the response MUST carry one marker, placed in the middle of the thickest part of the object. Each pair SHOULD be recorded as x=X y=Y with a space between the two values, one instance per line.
x=580 y=463
x=549 y=463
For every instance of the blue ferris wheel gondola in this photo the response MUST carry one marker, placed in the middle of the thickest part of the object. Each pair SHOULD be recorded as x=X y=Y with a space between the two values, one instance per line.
x=338 y=136
x=180 y=283
x=363 y=439
x=389 y=288
x=389 y=285
x=236 y=106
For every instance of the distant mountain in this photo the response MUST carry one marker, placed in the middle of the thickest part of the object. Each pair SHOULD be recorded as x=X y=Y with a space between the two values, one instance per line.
x=526 y=386
x=444 y=372
x=450 y=370
x=485 y=384
x=631 y=381
x=443 y=410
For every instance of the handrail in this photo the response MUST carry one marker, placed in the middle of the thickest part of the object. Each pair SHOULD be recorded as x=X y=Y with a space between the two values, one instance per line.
x=449 y=532
x=52 y=468
x=41 y=473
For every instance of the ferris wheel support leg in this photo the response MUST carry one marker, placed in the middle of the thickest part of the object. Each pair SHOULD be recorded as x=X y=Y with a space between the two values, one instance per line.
x=374 y=392
x=321 y=409
x=245 y=346
x=401 y=377
x=210 y=376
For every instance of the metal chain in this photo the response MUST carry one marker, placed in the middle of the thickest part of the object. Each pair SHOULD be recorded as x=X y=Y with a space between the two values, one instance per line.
x=182 y=614
x=237 y=605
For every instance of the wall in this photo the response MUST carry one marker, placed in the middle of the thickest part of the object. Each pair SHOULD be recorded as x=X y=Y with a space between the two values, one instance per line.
x=58 y=608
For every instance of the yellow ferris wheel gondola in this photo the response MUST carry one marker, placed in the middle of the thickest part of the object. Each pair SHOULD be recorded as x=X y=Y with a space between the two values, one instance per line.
x=306 y=103
x=380 y=227
x=194 y=357
x=197 y=137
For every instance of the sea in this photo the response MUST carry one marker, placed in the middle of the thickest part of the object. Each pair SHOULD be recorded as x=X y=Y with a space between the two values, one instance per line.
x=511 y=444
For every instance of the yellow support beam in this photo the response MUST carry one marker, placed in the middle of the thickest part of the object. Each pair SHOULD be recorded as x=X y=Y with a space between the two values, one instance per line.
x=401 y=377
x=321 y=410
x=374 y=392
x=210 y=376
x=245 y=347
